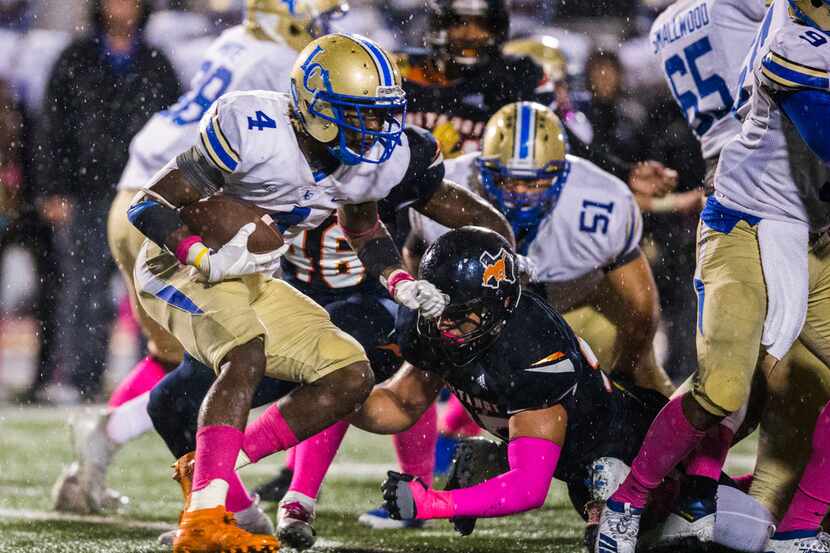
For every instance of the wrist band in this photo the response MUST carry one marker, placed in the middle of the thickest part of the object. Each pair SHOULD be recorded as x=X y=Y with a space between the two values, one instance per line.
x=396 y=277
x=197 y=261
x=184 y=247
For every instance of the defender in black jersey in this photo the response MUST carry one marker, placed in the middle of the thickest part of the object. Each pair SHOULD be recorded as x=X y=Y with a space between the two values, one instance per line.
x=519 y=370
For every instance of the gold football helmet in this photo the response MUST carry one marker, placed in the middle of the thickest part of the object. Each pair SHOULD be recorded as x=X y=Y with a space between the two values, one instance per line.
x=545 y=51
x=347 y=93
x=296 y=22
x=523 y=163
x=813 y=12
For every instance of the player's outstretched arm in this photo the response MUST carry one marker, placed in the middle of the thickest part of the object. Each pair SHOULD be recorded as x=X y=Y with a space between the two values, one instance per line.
x=368 y=237
x=536 y=439
x=398 y=403
x=454 y=207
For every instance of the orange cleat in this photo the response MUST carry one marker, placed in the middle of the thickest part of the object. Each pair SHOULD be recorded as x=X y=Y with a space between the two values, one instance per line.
x=183 y=474
x=215 y=531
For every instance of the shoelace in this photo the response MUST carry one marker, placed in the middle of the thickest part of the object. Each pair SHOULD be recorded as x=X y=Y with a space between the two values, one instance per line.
x=824 y=539
x=297 y=511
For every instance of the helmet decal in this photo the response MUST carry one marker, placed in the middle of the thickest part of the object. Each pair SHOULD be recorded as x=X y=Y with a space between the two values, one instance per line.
x=525 y=133
x=291 y=5
x=497 y=269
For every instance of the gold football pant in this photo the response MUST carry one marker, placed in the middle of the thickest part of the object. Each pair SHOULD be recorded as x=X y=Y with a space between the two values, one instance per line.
x=210 y=319
x=125 y=241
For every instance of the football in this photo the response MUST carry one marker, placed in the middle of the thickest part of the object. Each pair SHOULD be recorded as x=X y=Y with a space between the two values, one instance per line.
x=218 y=218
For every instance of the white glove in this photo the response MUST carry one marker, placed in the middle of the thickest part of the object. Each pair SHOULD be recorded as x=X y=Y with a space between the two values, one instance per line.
x=234 y=259
x=417 y=294
x=526 y=266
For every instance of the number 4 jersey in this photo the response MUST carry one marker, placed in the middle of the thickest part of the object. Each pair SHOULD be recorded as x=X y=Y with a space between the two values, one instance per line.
x=594 y=227
x=235 y=61
x=702 y=45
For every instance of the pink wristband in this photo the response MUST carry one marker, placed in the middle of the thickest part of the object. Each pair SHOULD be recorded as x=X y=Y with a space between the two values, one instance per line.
x=395 y=278
x=184 y=247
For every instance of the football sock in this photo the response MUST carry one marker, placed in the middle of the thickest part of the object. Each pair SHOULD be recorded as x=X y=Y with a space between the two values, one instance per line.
x=812 y=498
x=669 y=440
x=314 y=457
x=142 y=378
x=129 y=420
x=291 y=459
x=416 y=446
x=267 y=435
x=456 y=420
x=707 y=460
x=217 y=447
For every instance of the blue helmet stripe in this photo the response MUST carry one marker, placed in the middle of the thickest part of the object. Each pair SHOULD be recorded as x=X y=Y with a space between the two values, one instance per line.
x=524 y=130
x=383 y=64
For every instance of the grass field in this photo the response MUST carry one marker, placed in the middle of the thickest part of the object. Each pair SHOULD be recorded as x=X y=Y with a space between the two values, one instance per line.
x=34 y=446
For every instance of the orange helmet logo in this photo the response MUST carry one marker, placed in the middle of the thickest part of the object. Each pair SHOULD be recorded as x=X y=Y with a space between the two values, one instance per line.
x=497 y=269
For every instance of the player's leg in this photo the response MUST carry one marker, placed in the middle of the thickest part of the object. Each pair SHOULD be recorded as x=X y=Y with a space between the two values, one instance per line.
x=731 y=293
x=800 y=525
x=174 y=408
x=98 y=437
x=244 y=328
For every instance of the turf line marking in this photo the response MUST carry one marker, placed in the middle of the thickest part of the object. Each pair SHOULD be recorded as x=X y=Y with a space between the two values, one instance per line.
x=27 y=514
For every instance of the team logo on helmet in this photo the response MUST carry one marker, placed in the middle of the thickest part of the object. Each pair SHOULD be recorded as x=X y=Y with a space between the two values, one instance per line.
x=497 y=269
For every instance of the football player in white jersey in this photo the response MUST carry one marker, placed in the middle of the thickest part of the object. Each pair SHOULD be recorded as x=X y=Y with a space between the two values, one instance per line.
x=580 y=228
x=756 y=284
x=257 y=55
x=335 y=144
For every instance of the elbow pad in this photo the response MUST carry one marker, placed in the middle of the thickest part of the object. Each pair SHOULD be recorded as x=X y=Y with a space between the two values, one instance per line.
x=154 y=220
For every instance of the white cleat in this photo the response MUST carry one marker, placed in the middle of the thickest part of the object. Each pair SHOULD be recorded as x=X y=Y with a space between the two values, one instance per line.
x=678 y=530
x=799 y=542
x=82 y=488
x=294 y=521
x=253 y=519
x=619 y=525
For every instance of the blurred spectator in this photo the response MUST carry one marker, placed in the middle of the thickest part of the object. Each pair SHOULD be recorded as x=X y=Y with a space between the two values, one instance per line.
x=102 y=90
x=21 y=225
x=672 y=232
x=617 y=120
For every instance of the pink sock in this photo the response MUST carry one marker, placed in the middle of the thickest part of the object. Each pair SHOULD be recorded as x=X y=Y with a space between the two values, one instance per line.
x=707 y=460
x=314 y=457
x=291 y=459
x=416 y=446
x=669 y=440
x=457 y=422
x=142 y=378
x=744 y=481
x=267 y=435
x=812 y=498
x=217 y=448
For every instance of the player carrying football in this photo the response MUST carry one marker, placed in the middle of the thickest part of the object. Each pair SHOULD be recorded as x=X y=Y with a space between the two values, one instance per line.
x=336 y=143
x=257 y=55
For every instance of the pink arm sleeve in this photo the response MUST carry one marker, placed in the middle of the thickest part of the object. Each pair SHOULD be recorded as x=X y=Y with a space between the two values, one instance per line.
x=524 y=487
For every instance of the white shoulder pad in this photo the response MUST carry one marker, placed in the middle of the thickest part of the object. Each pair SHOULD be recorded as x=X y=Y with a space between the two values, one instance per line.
x=225 y=131
x=796 y=56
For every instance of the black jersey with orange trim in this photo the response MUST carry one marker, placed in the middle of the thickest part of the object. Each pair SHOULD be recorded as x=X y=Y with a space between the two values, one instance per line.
x=537 y=362
x=468 y=102
x=321 y=258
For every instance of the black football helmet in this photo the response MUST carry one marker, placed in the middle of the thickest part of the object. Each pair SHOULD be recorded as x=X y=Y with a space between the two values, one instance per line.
x=477 y=268
x=492 y=15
